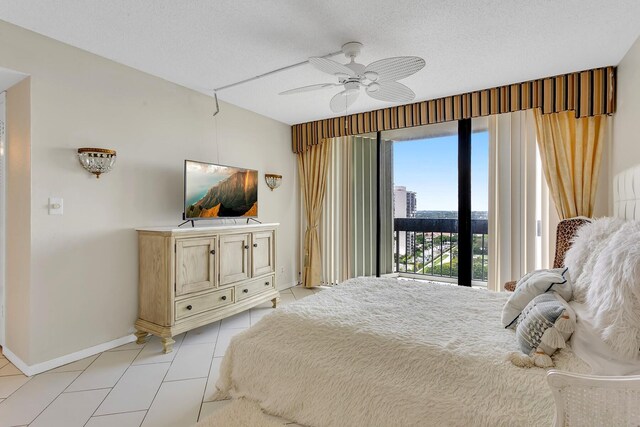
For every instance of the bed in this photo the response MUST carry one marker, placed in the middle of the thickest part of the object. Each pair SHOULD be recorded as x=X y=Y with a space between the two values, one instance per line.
x=384 y=352
x=392 y=352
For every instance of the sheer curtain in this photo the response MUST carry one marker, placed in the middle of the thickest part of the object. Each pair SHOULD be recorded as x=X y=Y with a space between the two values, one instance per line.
x=336 y=234
x=347 y=226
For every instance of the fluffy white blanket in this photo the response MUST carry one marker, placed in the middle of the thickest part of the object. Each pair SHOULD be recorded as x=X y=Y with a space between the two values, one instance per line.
x=604 y=261
x=587 y=245
x=388 y=352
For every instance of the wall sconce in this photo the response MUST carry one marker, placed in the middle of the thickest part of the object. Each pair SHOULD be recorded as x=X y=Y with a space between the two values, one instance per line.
x=273 y=180
x=97 y=160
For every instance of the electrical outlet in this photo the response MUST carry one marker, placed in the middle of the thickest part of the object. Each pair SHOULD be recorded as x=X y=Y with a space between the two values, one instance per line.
x=282 y=270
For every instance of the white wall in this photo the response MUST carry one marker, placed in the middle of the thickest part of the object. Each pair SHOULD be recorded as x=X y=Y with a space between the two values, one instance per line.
x=82 y=289
x=626 y=121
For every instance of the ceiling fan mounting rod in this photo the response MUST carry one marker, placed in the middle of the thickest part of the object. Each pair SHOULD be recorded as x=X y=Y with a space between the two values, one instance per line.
x=288 y=67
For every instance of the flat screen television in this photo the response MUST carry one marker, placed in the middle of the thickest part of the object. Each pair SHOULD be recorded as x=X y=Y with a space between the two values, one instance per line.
x=217 y=191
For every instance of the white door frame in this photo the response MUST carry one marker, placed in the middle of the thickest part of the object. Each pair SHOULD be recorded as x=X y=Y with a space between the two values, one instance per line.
x=3 y=192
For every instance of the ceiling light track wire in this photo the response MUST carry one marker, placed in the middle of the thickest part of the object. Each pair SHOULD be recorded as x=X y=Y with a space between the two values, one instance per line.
x=260 y=76
x=272 y=72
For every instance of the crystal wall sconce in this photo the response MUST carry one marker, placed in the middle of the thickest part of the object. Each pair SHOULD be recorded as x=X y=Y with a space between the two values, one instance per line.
x=273 y=180
x=97 y=160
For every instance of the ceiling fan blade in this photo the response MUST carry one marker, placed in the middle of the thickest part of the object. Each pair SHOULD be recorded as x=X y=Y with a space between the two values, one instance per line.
x=393 y=69
x=308 y=88
x=343 y=100
x=329 y=66
x=390 y=92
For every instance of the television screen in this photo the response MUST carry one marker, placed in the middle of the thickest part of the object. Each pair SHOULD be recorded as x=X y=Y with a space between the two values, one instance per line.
x=217 y=191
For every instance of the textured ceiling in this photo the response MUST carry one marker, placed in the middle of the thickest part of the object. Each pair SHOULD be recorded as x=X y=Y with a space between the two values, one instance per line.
x=468 y=45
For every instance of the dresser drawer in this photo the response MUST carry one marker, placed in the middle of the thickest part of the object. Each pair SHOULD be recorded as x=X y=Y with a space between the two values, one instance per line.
x=254 y=287
x=191 y=306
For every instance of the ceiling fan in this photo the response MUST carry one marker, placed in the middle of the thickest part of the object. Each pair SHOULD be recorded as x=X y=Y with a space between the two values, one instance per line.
x=379 y=79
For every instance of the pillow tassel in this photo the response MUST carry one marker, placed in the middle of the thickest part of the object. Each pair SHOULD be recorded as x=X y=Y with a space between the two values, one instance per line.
x=564 y=323
x=541 y=359
x=553 y=338
x=520 y=360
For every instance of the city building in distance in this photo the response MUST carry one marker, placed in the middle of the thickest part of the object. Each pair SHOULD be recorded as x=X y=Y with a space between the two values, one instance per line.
x=404 y=206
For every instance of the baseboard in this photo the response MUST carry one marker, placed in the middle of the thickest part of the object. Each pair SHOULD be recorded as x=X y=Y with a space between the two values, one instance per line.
x=287 y=286
x=30 y=370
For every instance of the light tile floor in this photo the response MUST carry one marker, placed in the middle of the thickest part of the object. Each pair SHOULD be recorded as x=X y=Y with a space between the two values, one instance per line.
x=132 y=385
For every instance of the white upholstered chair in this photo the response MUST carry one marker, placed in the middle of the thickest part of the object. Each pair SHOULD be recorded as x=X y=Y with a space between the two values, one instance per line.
x=589 y=400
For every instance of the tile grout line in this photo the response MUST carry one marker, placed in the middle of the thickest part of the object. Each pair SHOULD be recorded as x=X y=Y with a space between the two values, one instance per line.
x=184 y=379
x=210 y=366
x=65 y=389
x=89 y=389
x=14 y=391
x=101 y=402
x=110 y=388
x=114 y=385
x=117 y=413
x=162 y=382
x=16 y=375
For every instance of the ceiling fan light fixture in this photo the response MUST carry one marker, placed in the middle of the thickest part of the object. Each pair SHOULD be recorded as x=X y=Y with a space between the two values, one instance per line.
x=373 y=87
x=371 y=75
x=351 y=88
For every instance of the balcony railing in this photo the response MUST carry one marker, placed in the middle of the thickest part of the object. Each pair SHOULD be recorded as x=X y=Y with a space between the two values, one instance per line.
x=429 y=247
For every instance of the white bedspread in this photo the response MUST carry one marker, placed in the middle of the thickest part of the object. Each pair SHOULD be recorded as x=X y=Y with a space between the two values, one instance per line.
x=388 y=352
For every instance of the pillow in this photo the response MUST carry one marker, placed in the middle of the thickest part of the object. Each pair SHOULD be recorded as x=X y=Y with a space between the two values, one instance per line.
x=544 y=326
x=530 y=286
x=588 y=243
x=613 y=295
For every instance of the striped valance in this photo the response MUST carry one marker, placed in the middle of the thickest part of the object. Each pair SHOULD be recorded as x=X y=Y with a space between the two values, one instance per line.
x=588 y=93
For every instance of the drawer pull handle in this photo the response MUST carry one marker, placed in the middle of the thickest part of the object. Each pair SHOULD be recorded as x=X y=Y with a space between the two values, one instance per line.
x=255 y=245
x=246 y=246
x=189 y=307
x=266 y=283
x=212 y=251
x=246 y=291
x=223 y=297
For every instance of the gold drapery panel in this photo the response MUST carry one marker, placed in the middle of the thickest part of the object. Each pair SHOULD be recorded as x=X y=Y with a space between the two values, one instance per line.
x=571 y=152
x=588 y=93
x=313 y=165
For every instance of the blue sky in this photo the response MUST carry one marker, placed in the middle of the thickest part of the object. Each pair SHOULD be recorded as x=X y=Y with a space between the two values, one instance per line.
x=430 y=168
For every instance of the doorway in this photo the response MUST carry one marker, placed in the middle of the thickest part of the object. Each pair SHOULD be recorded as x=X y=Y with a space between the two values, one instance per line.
x=440 y=201
x=3 y=192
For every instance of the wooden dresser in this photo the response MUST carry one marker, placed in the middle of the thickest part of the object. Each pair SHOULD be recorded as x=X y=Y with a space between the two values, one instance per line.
x=189 y=277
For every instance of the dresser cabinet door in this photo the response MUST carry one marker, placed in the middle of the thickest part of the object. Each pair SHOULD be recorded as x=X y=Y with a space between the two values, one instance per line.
x=195 y=265
x=234 y=258
x=263 y=253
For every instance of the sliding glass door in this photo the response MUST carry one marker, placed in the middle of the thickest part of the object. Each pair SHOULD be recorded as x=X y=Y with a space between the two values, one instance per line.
x=440 y=189
x=425 y=199
x=480 y=200
x=442 y=202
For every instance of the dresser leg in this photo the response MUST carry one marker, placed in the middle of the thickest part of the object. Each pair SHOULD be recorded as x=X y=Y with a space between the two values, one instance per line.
x=168 y=342
x=275 y=301
x=142 y=336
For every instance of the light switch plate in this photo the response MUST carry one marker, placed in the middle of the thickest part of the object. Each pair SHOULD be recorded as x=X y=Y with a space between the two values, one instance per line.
x=56 y=206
